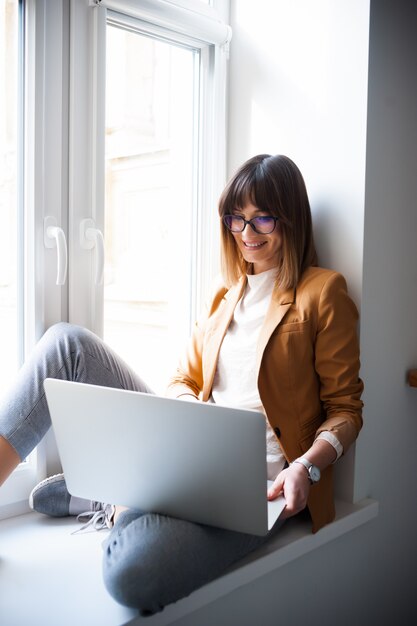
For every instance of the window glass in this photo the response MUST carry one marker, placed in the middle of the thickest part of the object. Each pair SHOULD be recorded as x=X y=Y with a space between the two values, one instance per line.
x=151 y=151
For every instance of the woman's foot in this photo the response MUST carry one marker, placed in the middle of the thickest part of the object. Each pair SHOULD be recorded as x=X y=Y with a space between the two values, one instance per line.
x=51 y=497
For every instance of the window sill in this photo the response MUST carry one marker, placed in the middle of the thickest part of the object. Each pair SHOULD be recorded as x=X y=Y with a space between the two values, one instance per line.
x=50 y=577
x=59 y=574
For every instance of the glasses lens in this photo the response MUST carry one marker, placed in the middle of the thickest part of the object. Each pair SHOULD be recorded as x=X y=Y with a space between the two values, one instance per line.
x=235 y=223
x=264 y=224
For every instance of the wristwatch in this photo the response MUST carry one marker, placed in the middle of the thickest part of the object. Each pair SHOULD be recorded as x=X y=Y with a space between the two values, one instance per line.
x=313 y=471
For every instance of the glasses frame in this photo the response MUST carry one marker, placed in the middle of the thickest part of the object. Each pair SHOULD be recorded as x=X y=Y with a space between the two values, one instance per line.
x=250 y=223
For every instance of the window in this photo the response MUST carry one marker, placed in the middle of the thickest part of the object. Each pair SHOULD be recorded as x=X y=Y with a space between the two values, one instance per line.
x=124 y=132
x=156 y=96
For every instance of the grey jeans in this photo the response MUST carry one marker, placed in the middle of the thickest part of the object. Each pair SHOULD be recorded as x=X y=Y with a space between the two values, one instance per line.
x=150 y=560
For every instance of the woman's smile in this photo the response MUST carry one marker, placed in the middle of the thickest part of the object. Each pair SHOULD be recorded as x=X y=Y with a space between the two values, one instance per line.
x=262 y=251
x=252 y=246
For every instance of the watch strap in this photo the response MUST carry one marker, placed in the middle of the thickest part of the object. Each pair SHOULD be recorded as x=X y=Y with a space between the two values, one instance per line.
x=308 y=465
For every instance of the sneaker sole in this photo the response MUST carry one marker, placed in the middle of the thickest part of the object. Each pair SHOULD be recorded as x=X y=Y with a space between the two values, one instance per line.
x=51 y=479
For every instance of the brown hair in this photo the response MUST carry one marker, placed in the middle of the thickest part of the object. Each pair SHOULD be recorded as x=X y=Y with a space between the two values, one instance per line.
x=273 y=184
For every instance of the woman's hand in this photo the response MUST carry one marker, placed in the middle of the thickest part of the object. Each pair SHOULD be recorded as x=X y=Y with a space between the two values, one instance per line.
x=294 y=484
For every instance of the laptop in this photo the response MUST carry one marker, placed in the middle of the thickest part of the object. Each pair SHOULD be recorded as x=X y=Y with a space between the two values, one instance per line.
x=192 y=460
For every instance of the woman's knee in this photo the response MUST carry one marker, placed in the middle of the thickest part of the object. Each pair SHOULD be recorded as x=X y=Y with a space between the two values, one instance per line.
x=124 y=571
x=65 y=330
x=125 y=584
x=55 y=333
x=143 y=562
x=64 y=335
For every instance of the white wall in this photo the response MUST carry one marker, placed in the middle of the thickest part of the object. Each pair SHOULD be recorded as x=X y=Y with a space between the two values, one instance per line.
x=299 y=87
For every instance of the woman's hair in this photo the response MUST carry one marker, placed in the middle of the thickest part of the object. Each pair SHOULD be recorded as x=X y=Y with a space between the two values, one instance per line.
x=273 y=184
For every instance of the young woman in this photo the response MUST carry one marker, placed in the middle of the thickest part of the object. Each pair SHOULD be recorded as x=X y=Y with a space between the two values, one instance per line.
x=278 y=334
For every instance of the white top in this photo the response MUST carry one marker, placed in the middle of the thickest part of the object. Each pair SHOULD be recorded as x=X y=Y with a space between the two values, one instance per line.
x=235 y=381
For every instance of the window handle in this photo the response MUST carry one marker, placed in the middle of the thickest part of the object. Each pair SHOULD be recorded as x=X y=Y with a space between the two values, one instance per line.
x=91 y=237
x=54 y=237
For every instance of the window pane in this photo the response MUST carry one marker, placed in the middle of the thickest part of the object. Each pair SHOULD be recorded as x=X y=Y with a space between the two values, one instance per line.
x=9 y=116
x=151 y=88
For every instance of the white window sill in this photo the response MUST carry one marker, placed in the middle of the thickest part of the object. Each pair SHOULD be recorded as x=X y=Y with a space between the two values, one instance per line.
x=48 y=576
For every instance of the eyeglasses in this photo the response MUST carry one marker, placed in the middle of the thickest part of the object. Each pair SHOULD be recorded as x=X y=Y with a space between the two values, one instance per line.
x=263 y=225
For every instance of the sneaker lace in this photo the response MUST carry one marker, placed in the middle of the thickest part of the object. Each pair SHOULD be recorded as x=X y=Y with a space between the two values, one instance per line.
x=98 y=518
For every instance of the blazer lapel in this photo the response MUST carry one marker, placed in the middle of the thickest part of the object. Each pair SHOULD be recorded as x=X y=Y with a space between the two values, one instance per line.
x=281 y=301
x=217 y=332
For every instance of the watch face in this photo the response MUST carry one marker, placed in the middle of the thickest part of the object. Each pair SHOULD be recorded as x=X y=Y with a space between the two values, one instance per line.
x=314 y=473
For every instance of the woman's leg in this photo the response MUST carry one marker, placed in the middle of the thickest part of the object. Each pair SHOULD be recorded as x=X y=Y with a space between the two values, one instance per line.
x=66 y=352
x=151 y=560
x=9 y=459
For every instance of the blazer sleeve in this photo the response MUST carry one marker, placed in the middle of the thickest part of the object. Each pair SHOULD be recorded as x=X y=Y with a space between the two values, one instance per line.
x=337 y=362
x=188 y=377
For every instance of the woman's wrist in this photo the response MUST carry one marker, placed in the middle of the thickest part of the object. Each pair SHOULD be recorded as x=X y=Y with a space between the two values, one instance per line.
x=300 y=469
x=321 y=454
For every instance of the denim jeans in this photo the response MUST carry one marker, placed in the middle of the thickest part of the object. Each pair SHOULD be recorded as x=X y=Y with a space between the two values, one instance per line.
x=150 y=560
x=66 y=352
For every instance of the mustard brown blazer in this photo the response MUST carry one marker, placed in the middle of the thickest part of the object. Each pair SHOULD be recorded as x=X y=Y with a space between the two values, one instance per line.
x=307 y=364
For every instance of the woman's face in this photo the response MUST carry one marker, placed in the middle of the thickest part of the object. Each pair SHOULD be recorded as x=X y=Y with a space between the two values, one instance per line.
x=260 y=250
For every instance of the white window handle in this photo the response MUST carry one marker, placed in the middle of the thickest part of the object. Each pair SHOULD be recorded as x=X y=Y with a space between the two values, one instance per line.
x=54 y=236
x=91 y=237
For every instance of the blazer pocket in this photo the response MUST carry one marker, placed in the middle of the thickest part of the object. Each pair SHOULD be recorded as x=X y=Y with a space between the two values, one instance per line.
x=291 y=327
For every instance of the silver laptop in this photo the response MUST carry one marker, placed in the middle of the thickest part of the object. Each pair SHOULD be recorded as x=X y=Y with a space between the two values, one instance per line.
x=197 y=461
